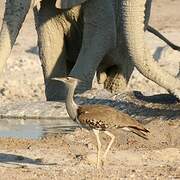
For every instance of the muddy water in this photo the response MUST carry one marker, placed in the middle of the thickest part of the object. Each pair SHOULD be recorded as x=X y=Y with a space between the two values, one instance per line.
x=35 y=129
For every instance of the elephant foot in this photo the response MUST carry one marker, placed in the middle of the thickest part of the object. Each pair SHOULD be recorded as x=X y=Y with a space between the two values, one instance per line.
x=55 y=91
x=115 y=80
x=115 y=83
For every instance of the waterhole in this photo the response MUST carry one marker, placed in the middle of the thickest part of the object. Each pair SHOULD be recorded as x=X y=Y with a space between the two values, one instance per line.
x=35 y=128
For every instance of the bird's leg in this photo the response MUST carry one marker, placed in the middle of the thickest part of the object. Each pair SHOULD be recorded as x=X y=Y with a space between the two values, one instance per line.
x=96 y=132
x=110 y=144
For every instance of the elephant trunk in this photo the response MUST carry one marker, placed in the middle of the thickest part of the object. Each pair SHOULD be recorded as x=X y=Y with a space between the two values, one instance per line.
x=15 y=13
x=133 y=28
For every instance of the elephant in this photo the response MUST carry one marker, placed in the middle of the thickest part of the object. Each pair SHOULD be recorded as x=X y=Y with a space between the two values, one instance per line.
x=80 y=37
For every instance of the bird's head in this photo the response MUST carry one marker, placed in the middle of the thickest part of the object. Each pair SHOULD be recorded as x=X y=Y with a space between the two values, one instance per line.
x=69 y=81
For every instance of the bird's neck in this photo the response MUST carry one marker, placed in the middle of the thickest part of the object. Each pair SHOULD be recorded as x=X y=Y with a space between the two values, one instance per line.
x=71 y=106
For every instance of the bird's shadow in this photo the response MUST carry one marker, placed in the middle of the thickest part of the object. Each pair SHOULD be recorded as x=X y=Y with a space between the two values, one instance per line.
x=163 y=106
x=157 y=98
x=12 y=159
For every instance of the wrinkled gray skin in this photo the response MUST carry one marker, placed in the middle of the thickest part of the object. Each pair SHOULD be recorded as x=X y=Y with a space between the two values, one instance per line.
x=102 y=35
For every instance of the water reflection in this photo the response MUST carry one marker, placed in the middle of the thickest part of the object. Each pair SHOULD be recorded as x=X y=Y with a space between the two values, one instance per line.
x=33 y=128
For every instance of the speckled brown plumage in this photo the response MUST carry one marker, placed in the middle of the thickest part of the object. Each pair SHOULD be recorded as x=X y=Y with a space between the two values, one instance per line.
x=106 y=117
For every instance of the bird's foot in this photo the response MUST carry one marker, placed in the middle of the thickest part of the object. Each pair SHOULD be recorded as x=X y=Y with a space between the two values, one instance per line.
x=100 y=164
x=103 y=160
x=92 y=159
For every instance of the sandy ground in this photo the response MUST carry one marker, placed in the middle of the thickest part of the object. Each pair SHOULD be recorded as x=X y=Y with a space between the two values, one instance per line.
x=72 y=156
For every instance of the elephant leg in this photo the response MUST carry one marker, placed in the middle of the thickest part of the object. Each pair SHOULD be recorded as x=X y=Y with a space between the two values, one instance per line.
x=116 y=76
x=96 y=41
x=52 y=50
x=15 y=13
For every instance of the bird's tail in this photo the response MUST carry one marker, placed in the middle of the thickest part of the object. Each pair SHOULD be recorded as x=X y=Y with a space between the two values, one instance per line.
x=139 y=132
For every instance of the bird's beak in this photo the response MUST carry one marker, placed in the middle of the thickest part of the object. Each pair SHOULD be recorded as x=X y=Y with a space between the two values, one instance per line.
x=62 y=79
x=79 y=81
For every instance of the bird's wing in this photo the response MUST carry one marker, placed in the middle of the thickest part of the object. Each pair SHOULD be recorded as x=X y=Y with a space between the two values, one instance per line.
x=108 y=116
x=138 y=133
